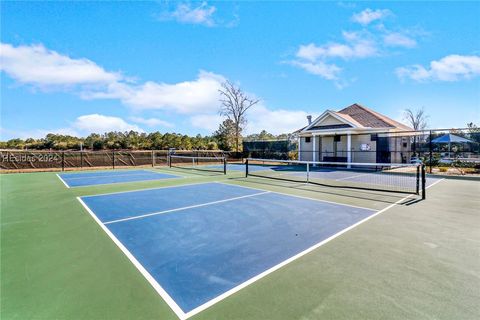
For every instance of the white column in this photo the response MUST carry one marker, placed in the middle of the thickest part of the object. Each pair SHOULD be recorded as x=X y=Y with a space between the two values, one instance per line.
x=299 y=148
x=349 y=148
x=314 y=149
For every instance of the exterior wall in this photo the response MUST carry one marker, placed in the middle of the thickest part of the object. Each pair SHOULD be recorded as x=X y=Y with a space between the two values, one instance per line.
x=306 y=149
x=327 y=147
x=363 y=156
x=400 y=153
x=329 y=120
x=342 y=147
x=400 y=148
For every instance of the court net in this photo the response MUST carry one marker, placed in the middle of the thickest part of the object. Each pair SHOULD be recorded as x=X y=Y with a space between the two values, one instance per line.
x=402 y=178
x=212 y=164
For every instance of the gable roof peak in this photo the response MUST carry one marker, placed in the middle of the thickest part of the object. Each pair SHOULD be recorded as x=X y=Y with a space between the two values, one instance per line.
x=370 y=118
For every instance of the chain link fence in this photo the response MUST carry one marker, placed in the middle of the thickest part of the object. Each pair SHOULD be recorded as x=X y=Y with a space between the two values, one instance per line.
x=34 y=160
x=459 y=156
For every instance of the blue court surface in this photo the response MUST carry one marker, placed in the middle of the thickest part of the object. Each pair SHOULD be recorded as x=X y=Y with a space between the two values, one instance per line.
x=200 y=241
x=107 y=177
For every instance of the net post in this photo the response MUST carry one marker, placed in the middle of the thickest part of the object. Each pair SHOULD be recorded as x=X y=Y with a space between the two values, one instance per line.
x=246 y=168
x=417 y=190
x=308 y=172
x=224 y=165
x=169 y=160
x=431 y=151
x=424 y=182
x=153 y=159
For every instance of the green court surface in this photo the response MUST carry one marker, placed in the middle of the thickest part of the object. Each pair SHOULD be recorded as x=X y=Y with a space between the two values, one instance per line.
x=415 y=260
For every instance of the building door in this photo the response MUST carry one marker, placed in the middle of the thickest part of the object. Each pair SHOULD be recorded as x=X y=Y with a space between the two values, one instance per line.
x=383 y=150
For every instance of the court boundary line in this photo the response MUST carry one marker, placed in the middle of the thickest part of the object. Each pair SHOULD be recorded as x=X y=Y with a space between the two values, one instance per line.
x=439 y=180
x=236 y=185
x=303 y=197
x=156 y=286
x=278 y=266
x=152 y=188
x=185 y=208
x=66 y=185
x=121 y=175
x=173 y=305
x=106 y=184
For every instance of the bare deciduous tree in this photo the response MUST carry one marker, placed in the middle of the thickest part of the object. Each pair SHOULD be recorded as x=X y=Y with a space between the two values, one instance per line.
x=235 y=104
x=417 y=119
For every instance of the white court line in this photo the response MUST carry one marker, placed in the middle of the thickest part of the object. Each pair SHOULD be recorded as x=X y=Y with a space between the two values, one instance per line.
x=123 y=182
x=166 y=297
x=291 y=259
x=351 y=177
x=185 y=208
x=116 y=175
x=153 y=188
x=178 y=311
x=439 y=180
x=66 y=185
x=301 y=197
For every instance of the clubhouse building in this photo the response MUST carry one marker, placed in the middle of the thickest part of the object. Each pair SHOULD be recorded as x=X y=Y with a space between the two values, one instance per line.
x=354 y=134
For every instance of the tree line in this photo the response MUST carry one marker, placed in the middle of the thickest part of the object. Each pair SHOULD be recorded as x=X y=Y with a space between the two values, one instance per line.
x=222 y=139
x=234 y=105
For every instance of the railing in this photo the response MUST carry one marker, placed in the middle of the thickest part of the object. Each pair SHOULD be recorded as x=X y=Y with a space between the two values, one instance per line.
x=21 y=160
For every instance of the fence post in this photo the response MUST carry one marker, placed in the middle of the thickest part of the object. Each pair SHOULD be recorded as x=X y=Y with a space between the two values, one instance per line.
x=153 y=158
x=63 y=160
x=431 y=152
x=417 y=190
x=113 y=159
x=424 y=182
x=246 y=168
x=81 y=159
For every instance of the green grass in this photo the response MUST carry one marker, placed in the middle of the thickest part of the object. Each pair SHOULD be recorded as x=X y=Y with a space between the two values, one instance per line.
x=412 y=262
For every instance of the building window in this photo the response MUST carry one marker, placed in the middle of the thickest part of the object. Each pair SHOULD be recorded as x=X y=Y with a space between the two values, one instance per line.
x=337 y=138
x=307 y=139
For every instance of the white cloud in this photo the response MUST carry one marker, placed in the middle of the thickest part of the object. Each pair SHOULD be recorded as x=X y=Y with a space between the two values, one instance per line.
x=275 y=121
x=97 y=123
x=81 y=127
x=356 y=47
x=188 y=97
x=324 y=70
x=186 y=13
x=196 y=97
x=6 y=134
x=209 y=122
x=368 y=15
x=41 y=67
x=450 y=68
x=152 y=122
x=324 y=59
x=317 y=59
x=259 y=118
x=396 y=39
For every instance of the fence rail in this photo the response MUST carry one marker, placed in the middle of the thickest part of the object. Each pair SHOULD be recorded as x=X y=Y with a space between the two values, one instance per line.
x=35 y=160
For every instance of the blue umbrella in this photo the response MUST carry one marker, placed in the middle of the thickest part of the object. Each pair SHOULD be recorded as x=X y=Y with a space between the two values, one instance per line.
x=449 y=138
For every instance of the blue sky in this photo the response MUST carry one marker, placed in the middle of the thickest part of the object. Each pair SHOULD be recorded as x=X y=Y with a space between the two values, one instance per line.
x=84 y=67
